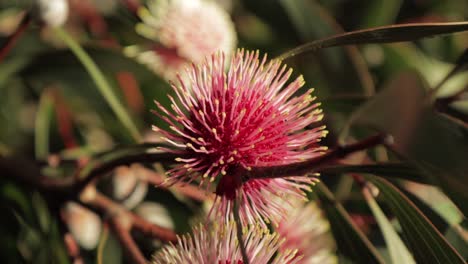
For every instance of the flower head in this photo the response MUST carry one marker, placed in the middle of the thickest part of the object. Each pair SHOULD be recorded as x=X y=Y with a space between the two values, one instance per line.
x=185 y=32
x=306 y=230
x=220 y=245
x=245 y=117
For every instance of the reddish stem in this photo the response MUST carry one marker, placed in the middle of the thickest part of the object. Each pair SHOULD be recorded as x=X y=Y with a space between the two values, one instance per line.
x=314 y=164
x=188 y=190
x=13 y=38
x=127 y=242
x=107 y=206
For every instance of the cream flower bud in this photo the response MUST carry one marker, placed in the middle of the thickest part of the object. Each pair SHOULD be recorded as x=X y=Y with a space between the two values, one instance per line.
x=84 y=225
x=53 y=12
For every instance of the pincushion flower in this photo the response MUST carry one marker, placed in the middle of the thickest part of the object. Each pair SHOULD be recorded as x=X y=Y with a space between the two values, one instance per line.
x=183 y=32
x=220 y=245
x=223 y=122
x=306 y=230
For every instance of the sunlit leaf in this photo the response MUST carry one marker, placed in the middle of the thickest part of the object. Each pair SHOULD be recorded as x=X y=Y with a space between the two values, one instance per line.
x=350 y=240
x=425 y=242
x=398 y=251
x=42 y=125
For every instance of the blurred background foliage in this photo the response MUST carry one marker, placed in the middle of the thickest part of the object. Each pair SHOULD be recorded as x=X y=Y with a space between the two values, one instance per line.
x=49 y=105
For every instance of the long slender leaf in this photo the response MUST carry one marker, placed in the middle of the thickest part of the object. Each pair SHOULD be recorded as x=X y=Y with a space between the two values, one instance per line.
x=350 y=241
x=390 y=170
x=386 y=34
x=398 y=251
x=101 y=83
x=425 y=241
x=42 y=126
x=311 y=21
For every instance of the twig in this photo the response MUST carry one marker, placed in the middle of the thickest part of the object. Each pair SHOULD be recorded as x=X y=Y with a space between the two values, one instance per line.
x=101 y=169
x=28 y=173
x=302 y=168
x=73 y=249
x=105 y=205
x=187 y=190
x=129 y=245
x=13 y=38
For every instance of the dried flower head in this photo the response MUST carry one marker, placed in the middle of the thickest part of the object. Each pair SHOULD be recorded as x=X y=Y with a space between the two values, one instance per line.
x=245 y=117
x=220 y=245
x=185 y=32
x=306 y=230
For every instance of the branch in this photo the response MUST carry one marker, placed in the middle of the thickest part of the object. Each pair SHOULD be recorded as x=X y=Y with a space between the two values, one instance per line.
x=188 y=190
x=126 y=240
x=92 y=198
x=314 y=164
x=100 y=169
x=27 y=173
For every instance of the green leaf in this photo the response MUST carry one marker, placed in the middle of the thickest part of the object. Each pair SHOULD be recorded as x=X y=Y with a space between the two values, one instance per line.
x=350 y=241
x=398 y=251
x=385 y=34
x=444 y=165
x=42 y=125
x=311 y=21
x=394 y=109
x=381 y=12
x=424 y=240
x=390 y=170
x=101 y=83
x=109 y=250
x=460 y=65
x=455 y=235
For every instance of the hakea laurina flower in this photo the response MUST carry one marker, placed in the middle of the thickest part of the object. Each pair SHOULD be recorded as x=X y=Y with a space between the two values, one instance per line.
x=245 y=117
x=306 y=230
x=220 y=245
x=184 y=32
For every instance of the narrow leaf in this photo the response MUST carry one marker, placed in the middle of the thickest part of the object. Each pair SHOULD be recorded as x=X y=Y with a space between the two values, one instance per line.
x=350 y=240
x=385 y=34
x=42 y=126
x=101 y=83
x=398 y=251
x=312 y=21
x=460 y=65
x=390 y=170
x=425 y=241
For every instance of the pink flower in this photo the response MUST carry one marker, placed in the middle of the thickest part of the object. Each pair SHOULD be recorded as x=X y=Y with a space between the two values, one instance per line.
x=306 y=230
x=219 y=245
x=247 y=116
x=184 y=32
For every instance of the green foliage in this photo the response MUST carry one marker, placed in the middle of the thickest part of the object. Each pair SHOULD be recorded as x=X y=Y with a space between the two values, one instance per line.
x=408 y=81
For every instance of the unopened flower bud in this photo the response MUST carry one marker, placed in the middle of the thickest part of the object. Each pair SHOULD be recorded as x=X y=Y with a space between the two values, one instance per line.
x=54 y=13
x=84 y=225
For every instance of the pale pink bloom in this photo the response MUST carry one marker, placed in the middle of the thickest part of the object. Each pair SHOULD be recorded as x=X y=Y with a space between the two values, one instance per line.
x=243 y=117
x=306 y=230
x=219 y=245
x=184 y=32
